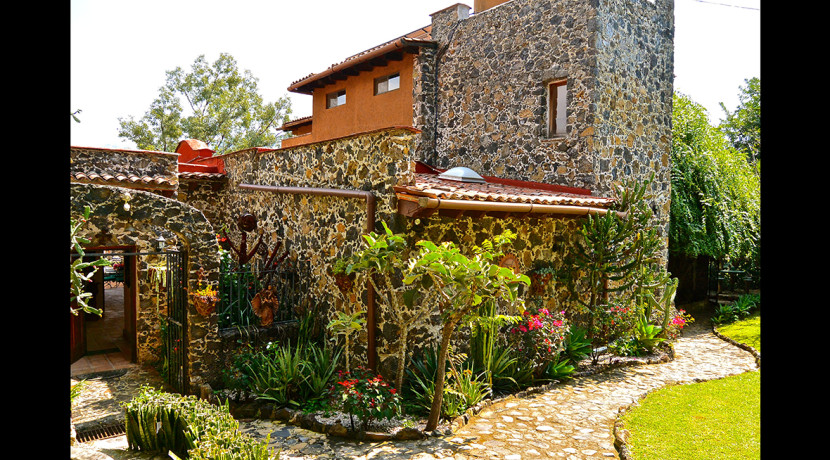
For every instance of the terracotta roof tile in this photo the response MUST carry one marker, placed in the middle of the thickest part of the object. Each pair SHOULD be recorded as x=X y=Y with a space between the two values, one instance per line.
x=126 y=180
x=429 y=185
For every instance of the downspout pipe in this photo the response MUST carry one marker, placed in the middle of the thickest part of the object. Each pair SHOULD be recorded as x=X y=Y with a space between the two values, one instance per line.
x=369 y=197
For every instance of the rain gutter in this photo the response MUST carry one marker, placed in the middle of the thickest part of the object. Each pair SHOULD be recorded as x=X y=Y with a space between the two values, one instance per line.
x=500 y=206
x=369 y=197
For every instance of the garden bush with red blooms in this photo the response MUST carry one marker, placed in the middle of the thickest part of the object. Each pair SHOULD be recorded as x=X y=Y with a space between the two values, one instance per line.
x=611 y=322
x=362 y=394
x=680 y=320
x=540 y=335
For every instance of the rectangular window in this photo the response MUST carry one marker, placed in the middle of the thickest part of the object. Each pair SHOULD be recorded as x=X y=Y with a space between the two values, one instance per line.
x=557 y=108
x=335 y=99
x=387 y=83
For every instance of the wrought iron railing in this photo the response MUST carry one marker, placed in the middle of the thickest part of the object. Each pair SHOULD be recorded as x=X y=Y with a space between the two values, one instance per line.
x=288 y=285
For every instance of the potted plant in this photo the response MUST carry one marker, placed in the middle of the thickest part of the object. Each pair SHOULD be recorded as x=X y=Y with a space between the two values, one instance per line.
x=539 y=279
x=343 y=280
x=205 y=297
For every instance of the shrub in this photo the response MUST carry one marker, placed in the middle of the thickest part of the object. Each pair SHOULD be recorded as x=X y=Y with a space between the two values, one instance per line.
x=464 y=388
x=291 y=376
x=539 y=337
x=577 y=345
x=740 y=308
x=187 y=427
x=364 y=395
x=611 y=322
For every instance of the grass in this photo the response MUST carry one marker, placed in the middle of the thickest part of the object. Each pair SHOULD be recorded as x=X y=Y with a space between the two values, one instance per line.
x=746 y=331
x=715 y=419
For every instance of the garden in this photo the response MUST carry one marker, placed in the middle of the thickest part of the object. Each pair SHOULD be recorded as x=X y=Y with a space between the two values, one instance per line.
x=713 y=419
x=511 y=338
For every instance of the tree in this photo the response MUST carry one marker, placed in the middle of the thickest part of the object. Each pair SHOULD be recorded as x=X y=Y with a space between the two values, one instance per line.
x=222 y=108
x=715 y=192
x=381 y=261
x=461 y=283
x=743 y=126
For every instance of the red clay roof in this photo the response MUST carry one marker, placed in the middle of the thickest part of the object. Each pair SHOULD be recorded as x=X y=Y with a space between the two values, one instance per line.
x=296 y=122
x=126 y=180
x=420 y=37
x=429 y=185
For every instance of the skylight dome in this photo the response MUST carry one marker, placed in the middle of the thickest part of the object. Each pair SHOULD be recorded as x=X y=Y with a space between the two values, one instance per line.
x=462 y=174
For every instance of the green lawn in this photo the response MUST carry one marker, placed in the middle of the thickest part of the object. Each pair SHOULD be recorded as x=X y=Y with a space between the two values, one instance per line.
x=718 y=419
x=746 y=331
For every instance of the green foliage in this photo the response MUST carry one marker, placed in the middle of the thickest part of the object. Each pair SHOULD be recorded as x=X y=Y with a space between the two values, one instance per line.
x=746 y=330
x=743 y=126
x=577 y=345
x=187 y=427
x=464 y=387
x=740 y=308
x=80 y=271
x=382 y=261
x=347 y=325
x=367 y=396
x=715 y=192
x=224 y=110
x=237 y=287
x=646 y=334
x=558 y=369
x=75 y=391
x=461 y=283
x=484 y=333
x=291 y=376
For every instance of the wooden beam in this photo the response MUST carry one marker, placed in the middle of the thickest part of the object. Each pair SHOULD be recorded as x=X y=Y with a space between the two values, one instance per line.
x=452 y=213
x=411 y=209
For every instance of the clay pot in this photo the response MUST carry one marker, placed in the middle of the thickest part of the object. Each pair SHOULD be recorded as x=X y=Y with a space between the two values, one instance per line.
x=205 y=304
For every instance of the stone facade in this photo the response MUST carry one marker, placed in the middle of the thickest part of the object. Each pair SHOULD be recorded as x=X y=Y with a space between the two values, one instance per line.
x=479 y=100
x=183 y=226
x=490 y=107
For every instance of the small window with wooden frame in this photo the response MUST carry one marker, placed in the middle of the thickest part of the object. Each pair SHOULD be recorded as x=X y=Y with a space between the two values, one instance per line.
x=336 y=99
x=387 y=83
x=557 y=108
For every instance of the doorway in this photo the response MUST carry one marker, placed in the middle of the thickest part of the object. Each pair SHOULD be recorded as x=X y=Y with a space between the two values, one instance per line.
x=107 y=342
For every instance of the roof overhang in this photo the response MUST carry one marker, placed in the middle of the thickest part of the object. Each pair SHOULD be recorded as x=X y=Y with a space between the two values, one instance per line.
x=381 y=55
x=496 y=197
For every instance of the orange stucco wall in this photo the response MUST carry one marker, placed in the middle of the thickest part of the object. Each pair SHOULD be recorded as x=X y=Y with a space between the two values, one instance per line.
x=363 y=110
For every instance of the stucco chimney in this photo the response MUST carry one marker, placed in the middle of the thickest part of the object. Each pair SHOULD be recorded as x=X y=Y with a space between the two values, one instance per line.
x=481 y=5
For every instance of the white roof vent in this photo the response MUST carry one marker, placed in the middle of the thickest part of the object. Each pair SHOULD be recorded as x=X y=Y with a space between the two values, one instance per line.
x=462 y=174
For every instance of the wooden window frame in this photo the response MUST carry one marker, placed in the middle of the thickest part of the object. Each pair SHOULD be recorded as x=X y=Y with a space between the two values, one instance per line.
x=334 y=97
x=555 y=131
x=386 y=79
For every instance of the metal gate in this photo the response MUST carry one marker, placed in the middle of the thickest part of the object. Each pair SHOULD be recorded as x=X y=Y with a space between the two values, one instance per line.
x=176 y=321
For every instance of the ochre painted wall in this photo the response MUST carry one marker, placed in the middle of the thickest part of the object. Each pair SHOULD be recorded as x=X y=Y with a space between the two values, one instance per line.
x=363 y=110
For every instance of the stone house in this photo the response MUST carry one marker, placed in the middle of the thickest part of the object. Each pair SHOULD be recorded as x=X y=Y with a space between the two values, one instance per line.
x=549 y=103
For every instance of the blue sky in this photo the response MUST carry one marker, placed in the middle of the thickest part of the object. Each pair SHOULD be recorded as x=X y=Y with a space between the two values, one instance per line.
x=120 y=50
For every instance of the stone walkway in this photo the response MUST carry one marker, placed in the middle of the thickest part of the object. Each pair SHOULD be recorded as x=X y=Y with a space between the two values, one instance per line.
x=573 y=420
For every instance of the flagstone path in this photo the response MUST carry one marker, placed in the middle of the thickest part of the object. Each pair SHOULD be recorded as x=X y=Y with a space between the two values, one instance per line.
x=572 y=420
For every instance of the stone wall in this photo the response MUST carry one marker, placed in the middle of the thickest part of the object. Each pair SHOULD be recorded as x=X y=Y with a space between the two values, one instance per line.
x=632 y=119
x=491 y=110
x=315 y=229
x=182 y=226
x=138 y=162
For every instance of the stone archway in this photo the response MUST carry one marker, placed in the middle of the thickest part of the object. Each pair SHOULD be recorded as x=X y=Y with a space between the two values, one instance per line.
x=121 y=216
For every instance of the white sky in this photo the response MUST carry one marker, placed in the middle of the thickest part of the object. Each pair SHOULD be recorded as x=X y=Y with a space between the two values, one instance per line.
x=120 y=50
